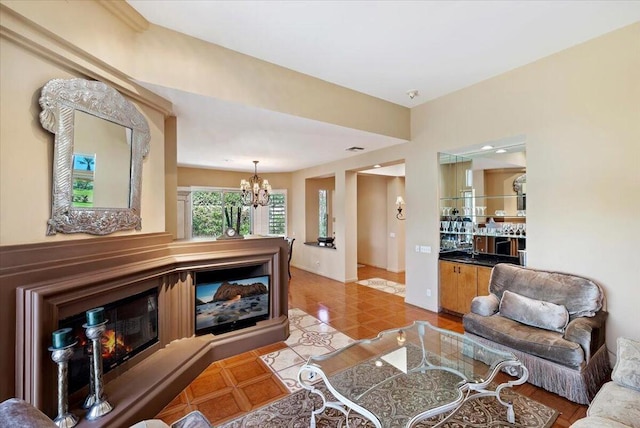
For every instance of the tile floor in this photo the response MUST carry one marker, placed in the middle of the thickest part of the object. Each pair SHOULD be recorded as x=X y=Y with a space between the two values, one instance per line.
x=384 y=285
x=324 y=315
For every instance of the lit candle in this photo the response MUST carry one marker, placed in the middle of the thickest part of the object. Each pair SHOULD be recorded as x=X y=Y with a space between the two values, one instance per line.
x=61 y=338
x=95 y=316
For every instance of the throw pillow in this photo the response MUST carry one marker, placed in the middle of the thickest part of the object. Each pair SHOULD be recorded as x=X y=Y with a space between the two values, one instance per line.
x=536 y=313
x=485 y=305
x=626 y=372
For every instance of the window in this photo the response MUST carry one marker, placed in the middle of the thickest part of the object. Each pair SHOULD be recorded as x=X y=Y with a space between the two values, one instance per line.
x=208 y=217
x=272 y=219
x=323 y=212
x=278 y=214
x=208 y=212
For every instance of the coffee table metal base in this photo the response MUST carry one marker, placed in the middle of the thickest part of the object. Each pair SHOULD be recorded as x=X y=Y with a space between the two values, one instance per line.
x=405 y=375
x=309 y=374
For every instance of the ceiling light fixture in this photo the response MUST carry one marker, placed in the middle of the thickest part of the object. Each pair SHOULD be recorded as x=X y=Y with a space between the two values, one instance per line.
x=413 y=93
x=355 y=149
x=377 y=166
x=501 y=151
x=487 y=147
x=255 y=191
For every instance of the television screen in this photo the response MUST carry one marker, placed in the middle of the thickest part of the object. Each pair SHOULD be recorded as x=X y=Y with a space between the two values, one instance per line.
x=227 y=305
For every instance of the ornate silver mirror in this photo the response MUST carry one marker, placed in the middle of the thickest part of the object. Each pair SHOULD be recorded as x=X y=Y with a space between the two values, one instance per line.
x=101 y=140
x=520 y=187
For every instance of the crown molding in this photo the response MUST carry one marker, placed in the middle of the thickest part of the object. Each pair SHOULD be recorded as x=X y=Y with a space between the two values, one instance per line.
x=42 y=42
x=125 y=13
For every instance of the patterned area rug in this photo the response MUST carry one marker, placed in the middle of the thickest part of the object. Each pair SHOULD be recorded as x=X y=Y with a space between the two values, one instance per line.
x=309 y=336
x=384 y=285
x=294 y=411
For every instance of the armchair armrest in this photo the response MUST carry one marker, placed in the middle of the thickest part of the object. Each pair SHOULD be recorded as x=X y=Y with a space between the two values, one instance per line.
x=588 y=332
x=485 y=305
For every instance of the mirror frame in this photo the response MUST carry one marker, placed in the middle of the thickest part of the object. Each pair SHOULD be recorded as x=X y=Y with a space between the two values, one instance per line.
x=59 y=100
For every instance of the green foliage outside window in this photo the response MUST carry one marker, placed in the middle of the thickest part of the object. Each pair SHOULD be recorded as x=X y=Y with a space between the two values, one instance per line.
x=323 y=216
x=207 y=214
x=208 y=218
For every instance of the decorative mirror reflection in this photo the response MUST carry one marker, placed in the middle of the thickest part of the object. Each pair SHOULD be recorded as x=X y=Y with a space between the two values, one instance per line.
x=483 y=200
x=101 y=140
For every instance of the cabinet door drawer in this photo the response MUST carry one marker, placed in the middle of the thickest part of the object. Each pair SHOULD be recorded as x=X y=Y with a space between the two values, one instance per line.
x=467 y=287
x=448 y=285
x=484 y=274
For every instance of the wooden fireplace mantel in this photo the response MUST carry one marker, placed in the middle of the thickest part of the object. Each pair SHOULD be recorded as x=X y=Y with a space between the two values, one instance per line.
x=43 y=283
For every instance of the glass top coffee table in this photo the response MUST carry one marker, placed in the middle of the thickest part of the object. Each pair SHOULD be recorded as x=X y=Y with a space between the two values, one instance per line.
x=406 y=375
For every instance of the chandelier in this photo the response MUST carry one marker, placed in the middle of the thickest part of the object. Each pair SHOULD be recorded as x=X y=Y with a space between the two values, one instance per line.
x=255 y=191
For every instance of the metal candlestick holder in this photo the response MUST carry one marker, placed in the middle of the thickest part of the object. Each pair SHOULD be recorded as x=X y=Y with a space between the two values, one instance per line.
x=61 y=357
x=100 y=406
x=91 y=399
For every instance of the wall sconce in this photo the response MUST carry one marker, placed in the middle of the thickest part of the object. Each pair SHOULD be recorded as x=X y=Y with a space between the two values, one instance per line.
x=399 y=206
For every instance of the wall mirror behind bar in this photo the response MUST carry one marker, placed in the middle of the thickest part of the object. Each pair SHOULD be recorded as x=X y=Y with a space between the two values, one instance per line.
x=483 y=198
x=101 y=140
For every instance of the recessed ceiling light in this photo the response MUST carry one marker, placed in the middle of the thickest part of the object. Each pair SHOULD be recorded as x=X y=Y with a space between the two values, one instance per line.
x=355 y=149
x=501 y=151
x=377 y=166
x=487 y=147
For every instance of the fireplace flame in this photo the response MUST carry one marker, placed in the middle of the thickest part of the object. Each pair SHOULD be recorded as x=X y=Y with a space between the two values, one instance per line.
x=110 y=341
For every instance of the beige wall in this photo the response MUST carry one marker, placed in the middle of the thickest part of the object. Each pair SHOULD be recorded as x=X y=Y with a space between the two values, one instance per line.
x=580 y=112
x=26 y=151
x=381 y=238
x=231 y=179
x=395 y=228
x=372 y=220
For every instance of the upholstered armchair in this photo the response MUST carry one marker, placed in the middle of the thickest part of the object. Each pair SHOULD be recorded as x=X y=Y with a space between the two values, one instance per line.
x=553 y=322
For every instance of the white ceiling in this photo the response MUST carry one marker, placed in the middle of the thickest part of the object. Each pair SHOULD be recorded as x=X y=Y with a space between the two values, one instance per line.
x=218 y=134
x=380 y=48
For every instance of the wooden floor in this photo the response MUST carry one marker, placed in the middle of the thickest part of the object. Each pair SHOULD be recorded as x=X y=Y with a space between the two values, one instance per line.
x=232 y=387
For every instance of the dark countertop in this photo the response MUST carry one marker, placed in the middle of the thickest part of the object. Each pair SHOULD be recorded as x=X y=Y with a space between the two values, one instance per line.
x=317 y=244
x=488 y=260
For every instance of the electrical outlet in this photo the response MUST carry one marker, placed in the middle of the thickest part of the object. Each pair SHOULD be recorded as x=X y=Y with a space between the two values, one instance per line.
x=425 y=249
x=428 y=292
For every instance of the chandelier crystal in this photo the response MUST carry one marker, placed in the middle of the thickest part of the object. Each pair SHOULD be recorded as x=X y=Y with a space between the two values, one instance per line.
x=255 y=191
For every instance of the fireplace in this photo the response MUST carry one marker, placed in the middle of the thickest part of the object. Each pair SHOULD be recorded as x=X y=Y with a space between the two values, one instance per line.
x=58 y=282
x=132 y=327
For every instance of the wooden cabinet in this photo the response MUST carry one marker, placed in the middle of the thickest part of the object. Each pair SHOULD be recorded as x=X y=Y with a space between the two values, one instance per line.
x=484 y=275
x=458 y=286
